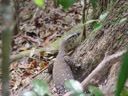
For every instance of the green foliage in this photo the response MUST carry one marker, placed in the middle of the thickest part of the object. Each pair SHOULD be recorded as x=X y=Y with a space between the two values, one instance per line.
x=99 y=24
x=93 y=2
x=77 y=89
x=74 y=86
x=66 y=3
x=40 y=89
x=90 y=21
x=124 y=92
x=40 y=3
x=103 y=16
x=96 y=91
x=29 y=93
x=123 y=75
x=122 y=20
x=85 y=94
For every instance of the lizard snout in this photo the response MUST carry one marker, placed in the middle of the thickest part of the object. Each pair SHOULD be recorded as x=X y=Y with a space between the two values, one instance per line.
x=77 y=33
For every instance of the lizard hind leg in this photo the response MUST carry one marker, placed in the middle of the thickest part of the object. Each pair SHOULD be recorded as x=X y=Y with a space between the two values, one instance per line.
x=61 y=90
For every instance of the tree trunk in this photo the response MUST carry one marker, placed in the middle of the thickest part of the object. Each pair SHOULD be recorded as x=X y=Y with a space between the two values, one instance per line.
x=112 y=37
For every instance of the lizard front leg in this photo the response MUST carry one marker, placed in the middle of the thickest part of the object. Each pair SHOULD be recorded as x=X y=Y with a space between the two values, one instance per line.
x=69 y=61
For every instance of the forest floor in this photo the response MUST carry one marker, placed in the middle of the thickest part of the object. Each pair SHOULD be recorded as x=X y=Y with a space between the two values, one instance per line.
x=39 y=27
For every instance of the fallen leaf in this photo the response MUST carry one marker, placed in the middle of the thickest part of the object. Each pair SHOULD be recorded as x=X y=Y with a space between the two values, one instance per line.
x=26 y=15
x=47 y=42
x=26 y=74
x=23 y=48
x=13 y=80
x=0 y=85
x=43 y=64
x=34 y=63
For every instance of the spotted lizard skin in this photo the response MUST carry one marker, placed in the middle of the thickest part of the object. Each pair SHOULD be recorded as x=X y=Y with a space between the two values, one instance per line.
x=61 y=68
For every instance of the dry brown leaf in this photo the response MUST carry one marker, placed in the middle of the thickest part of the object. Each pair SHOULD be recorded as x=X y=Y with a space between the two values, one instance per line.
x=30 y=67
x=47 y=42
x=49 y=39
x=27 y=66
x=0 y=85
x=11 y=85
x=13 y=80
x=15 y=65
x=34 y=63
x=27 y=74
x=23 y=48
x=43 y=64
x=26 y=15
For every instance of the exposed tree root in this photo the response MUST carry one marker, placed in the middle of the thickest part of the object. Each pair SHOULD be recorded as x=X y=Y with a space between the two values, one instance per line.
x=101 y=69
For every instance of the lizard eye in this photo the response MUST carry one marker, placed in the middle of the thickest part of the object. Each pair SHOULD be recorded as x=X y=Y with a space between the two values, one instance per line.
x=78 y=33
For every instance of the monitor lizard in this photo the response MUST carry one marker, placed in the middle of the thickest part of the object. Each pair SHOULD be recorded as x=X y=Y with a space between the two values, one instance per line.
x=61 y=67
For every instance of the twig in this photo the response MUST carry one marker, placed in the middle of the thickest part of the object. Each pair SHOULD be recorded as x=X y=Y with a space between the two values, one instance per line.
x=26 y=53
x=39 y=72
x=37 y=9
x=83 y=20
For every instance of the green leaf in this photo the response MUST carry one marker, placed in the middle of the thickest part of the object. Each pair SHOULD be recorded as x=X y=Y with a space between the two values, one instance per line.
x=97 y=26
x=40 y=3
x=90 y=21
x=85 y=94
x=48 y=94
x=122 y=20
x=95 y=91
x=123 y=75
x=93 y=3
x=109 y=22
x=74 y=86
x=66 y=3
x=124 y=92
x=29 y=93
x=103 y=16
x=40 y=86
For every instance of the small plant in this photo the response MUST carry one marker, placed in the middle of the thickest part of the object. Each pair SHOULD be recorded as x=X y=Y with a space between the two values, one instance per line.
x=77 y=90
x=64 y=3
x=99 y=24
x=99 y=21
x=40 y=89
x=39 y=3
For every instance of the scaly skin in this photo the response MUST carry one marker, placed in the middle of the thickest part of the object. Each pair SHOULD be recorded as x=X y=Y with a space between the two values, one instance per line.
x=61 y=68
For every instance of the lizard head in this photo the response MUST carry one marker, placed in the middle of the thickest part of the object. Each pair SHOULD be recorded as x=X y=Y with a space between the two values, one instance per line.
x=70 y=42
x=72 y=36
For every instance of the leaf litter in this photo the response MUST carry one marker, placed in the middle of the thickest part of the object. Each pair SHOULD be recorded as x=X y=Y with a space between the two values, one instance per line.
x=39 y=27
